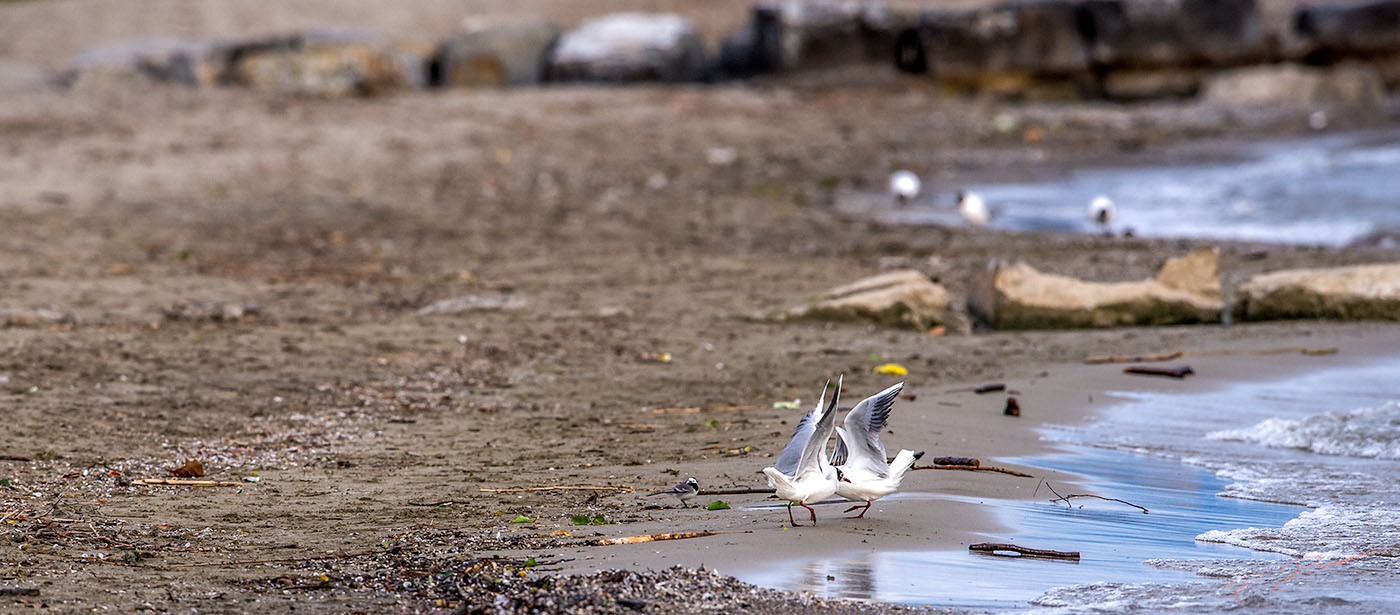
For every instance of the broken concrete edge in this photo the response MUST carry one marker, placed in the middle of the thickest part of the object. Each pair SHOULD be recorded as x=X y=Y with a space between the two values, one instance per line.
x=1186 y=290
x=1358 y=292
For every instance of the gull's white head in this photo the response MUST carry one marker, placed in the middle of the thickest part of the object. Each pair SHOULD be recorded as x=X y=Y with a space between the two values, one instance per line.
x=973 y=208
x=904 y=186
x=1101 y=210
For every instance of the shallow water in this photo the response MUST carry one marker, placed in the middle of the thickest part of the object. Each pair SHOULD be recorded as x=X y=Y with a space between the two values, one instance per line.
x=1275 y=497
x=1325 y=190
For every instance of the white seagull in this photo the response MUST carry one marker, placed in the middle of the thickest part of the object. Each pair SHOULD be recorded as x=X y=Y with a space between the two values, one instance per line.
x=1101 y=211
x=803 y=474
x=904 y=186
x=973 y=208
x=860 y=457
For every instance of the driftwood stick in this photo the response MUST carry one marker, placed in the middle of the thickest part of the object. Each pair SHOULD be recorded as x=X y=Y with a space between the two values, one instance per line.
x=974 y=469
x=437 y=503
x=1066 y=498
x=181 y=482
x=627 y=540
x=1180 y=371
x=698 y=409
x=559 y=488
x=992 y=548
x=14 y=458
x=736 y=491
x=956 y=461
x=1151 y=358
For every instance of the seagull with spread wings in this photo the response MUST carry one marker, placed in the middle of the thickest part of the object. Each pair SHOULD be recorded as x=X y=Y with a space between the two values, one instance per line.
x=803 y=473
x=860 y=457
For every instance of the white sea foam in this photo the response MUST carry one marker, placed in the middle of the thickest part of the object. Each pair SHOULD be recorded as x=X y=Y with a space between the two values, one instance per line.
x=1368 y=432
x=1328 y=532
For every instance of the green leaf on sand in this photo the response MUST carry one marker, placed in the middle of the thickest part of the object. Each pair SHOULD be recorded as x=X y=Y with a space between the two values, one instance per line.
x=521 y=519
x=717 y=505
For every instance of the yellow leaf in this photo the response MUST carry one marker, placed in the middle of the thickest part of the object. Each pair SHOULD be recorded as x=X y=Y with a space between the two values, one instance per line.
x=325 y=579
x=561 y=533
x=891 y=369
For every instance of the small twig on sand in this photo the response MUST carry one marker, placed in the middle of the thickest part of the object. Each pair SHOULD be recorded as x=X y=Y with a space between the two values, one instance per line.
x=1166 y=356
x=737 y=491
x=1066 y=498
x=697 y=409
x=974 y=469
x=627 y=540
x=992 y=548
x=437 y=503
x=559 y=488
x=955 y=461
x=1180 y=371
x=186 y=482
x=14 y=458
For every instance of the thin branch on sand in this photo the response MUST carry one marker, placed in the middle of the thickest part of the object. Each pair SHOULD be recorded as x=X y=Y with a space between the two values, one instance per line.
x=560 y=488
x=737 y=491
x=993 y=548
x=1151 y=358
x=627 y=540
x=1180 y=371
x=1066 y=498
x=974 y=469
x=181 y=482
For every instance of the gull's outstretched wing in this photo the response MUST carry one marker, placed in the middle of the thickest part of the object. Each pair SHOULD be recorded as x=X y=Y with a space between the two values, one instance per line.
x=792 y=453
x=862 y=433
x=814 y=453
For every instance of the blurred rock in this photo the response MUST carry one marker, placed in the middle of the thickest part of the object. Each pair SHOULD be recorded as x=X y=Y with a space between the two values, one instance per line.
x=1186 y=290
x=151 y=59
x=630 y=47
x=1147 y=84
x=794 y=35
x=1362 y=292
x=1351 y=85
x=902 y=299
x=1334 y=31
x=328 y=63
x=35 y=317
x=1026 y=38
x=1153 y=33
x=496 y=55
x=473 y=303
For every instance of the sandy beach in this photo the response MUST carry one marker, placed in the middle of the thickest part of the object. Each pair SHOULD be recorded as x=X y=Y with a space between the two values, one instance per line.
x=375 y=321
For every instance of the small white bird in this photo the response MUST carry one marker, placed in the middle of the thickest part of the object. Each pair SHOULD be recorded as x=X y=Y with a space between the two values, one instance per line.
x=683 y=491
x=973 y=208
x=803 y=473
x=862 y=473
x=1101 y=211
x=904 y=186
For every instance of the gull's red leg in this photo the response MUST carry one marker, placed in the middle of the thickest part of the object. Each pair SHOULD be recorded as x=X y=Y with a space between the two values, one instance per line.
x=790 y=519
x=810 y=510
x=862 y=512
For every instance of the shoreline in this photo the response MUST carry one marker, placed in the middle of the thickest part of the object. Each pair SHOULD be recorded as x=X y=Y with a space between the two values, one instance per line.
x=937 y=511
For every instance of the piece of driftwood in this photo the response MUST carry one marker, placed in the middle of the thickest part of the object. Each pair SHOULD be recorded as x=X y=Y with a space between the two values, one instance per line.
x=996 y=548
x=736 y=491
x=1180 y=371
x=989 y=388
x=1066 y=498
x=1166 y=356
x=14 y=458
x=956 y=461
x=699 y=409
x=559 y=488
x=184 y=482
x=973 y=469
x=627 y=540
